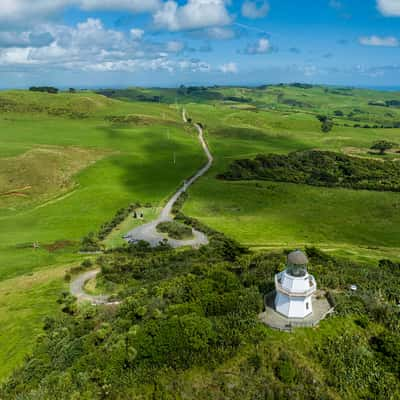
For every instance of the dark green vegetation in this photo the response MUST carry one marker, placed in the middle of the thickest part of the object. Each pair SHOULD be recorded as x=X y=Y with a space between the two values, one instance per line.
x=175 y=230
x=92 y=241
x=382 y=146
x=69 y=161
x=188 y=328
x=326 y=122
x=319 y=168
x=44 y=89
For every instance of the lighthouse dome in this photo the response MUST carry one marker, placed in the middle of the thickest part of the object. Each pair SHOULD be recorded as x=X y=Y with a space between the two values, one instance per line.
x=297 y=258
x=297 y=264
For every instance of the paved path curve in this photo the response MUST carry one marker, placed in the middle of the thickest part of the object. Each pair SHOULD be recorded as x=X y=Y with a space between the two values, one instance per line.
x=77 y=290
x=149 y=233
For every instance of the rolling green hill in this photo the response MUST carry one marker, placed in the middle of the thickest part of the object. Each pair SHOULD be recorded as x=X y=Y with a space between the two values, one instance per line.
x=63 y=175
x=68 y=162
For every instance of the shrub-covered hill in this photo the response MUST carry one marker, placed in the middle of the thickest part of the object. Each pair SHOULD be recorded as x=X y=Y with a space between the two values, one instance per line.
x=319 y=168
x=187 y=328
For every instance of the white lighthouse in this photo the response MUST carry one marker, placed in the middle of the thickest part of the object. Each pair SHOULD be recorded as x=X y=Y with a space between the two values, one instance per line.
x=295 y=287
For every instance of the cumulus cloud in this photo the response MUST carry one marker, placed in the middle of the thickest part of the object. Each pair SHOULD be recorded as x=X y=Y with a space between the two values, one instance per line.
x=136 y=34
x=255 y=9
x=91 y=47
x=229 y=68
x=262 y=46
x=128 y=5
x=22 y=11
x=195 y=14
x=219 y=33
x=390 y=8
x=156 y=64
x=388 y=41
x=25 y=39
x=12 y=11
x=175 y=46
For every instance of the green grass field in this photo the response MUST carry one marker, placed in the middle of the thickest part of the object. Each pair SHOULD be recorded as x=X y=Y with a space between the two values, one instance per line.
x=67 y=163
x=356 y=223
x=134 y=163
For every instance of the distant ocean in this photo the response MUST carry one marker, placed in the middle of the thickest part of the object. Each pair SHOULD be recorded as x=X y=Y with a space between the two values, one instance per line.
x=383 y=88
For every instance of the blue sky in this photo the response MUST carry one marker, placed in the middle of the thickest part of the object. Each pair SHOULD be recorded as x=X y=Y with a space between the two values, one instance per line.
x=105 y=43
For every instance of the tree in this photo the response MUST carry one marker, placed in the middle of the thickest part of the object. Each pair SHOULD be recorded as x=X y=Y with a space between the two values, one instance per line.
x=326 y=123
x=382 y=146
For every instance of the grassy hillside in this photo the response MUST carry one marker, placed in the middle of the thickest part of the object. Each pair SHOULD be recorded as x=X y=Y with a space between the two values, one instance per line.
x=68 y=162
x=64 y=174
x=364 y=223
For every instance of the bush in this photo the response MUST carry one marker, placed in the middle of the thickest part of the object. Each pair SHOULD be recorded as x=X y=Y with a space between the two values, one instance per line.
x=319 y=168
x=175 y=230
x=326 y=123
x=46 y=89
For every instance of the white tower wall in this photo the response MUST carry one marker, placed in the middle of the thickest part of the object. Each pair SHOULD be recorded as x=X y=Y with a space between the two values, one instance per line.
x=293 y=307
x=294 y=294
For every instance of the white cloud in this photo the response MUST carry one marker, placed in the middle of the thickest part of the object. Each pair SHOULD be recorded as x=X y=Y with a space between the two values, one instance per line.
x=229 y=68
x=219 y=33
x=175 y=46
x=137 y=34
x=390 y=8
x=15 y=55
x=156 y=64
x=262 y=46
x=23 y=11
x=25 y=39
x=128 y=5
x=12 y=11
x=388 y=41
x=255 y=9
x=91 y=47
x=195 y=14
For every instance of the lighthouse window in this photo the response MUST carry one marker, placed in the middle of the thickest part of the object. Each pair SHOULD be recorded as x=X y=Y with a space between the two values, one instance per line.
x=307 y=306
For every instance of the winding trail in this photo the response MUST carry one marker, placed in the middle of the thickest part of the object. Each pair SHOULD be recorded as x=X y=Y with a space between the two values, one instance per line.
x=148 y=232
x=77 y=285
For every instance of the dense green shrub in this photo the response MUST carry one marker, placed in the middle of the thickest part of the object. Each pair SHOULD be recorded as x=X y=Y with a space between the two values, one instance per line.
x=326 y=123
x=319 y=168
x=175 y=230
x=46 y=89
x=191 y=316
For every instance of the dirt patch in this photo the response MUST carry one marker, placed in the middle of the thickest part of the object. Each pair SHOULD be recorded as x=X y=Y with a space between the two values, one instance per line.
x=59 y=245
x=42 y=172
x=394 y=154
x=17 y=192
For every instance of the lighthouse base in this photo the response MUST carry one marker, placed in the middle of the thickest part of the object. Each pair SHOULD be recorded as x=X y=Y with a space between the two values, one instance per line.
x=293 y=307
x=321 y=309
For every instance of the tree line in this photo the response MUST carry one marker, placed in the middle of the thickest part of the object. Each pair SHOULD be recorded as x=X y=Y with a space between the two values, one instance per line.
x=321 y=168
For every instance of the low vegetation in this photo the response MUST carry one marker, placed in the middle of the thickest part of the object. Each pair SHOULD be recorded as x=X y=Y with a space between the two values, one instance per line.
x=175 y=230
x=187 y=327
x=92 y=242
x=319 y=168
x=383 y=146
